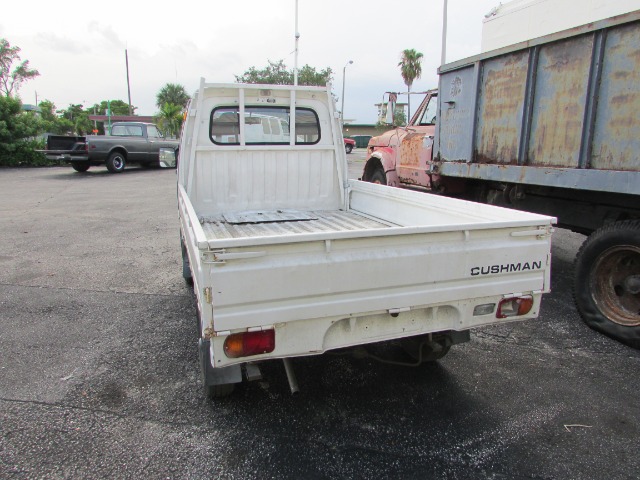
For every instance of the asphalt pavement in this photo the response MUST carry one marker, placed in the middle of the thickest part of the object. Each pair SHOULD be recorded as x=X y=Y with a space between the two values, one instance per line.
x=99 y=373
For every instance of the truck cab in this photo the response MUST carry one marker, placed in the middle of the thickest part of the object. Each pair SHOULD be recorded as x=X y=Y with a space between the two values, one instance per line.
x=402 y=156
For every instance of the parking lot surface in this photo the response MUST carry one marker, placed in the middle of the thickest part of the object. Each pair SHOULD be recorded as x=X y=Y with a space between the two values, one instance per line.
x=99 y=373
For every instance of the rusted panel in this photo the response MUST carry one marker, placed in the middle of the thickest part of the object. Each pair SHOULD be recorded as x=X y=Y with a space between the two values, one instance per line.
x=616 y=141
x=456 y=106
x=415 y=152
x=410 y=150
x=500 y=108
x=559 y=103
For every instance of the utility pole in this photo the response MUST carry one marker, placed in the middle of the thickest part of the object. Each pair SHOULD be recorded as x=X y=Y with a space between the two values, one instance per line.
x=295 y=61
x=126 y=56
x=443 y=58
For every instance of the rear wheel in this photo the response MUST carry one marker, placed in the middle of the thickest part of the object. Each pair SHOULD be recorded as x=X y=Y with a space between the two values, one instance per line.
x=607 y=281
x=378 y=177
x=80 y=166
x=116 y=162
x=219 y=391
x=186 y=267
x=348 y=147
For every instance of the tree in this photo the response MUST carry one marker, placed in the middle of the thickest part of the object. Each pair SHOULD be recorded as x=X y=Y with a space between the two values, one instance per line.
x=172 y=93
x=78 y=117
x=308 y=76
x=276 y=73
x=51 y=123
x=169 y=119
x=11 y=80
x=118 y=107
x=410 y=69
x=73 y=112
x=399 y=117
x=17 y=134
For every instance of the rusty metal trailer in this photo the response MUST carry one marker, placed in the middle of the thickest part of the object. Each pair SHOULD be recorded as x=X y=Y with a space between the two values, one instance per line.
x=552 y=125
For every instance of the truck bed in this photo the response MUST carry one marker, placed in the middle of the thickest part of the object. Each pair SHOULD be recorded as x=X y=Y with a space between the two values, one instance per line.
x=372 y=213
x=250 y=225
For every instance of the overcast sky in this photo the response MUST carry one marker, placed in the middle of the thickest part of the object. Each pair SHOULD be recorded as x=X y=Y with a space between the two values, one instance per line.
x=79 y=47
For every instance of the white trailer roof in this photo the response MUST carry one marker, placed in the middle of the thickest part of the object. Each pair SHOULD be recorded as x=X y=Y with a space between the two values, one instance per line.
x=521 y=20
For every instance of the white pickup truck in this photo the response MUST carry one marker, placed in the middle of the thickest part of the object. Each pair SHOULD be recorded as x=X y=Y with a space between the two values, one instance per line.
x=288 y=257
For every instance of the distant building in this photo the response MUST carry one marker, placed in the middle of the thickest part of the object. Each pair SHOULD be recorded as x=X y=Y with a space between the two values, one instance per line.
x=351 y=129
x=382 y=110
x=26 y=107
x=121 y=118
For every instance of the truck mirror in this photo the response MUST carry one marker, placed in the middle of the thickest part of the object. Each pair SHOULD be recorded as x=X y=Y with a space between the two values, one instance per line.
x=391 y=106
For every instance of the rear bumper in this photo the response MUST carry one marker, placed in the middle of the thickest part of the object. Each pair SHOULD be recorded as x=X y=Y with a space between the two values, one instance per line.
x=316 y=336
x=66 y=157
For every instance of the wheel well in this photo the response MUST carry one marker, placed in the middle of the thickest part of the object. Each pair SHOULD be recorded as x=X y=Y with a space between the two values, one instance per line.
x=372 y=165
x=119 y=150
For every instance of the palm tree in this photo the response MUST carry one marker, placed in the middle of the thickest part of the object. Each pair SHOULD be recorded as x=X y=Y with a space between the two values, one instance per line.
x=172 y=93
x=169 y=119
x=410 y=69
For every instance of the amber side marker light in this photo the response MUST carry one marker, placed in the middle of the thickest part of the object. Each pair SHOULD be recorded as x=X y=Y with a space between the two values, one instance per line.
x=514 y=307
x=250 y=343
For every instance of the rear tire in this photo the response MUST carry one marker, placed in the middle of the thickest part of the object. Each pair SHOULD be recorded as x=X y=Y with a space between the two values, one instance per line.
x=378 y=177
x=116 y=162
x=186 y=267
x=607 y=281
x=219 y=391
x=80 y=167
x=348 y=148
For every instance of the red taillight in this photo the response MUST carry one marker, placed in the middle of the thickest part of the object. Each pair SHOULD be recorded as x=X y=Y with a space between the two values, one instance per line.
x=514 y=307
x=250 y=343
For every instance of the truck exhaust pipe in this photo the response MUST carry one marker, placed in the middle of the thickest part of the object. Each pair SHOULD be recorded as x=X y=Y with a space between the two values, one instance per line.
x=291 y=376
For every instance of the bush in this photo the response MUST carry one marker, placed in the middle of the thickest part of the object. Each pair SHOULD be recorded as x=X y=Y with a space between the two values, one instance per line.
x=18 y=130
x=23 y=154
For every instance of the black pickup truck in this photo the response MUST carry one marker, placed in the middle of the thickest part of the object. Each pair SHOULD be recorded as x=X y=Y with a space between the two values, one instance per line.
x=129 y=143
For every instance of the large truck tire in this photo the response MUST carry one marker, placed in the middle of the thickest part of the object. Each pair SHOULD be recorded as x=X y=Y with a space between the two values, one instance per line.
x=379 y=177
x=607 y=281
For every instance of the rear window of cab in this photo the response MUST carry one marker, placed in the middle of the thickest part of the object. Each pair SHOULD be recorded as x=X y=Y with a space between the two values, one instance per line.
x=263 y=126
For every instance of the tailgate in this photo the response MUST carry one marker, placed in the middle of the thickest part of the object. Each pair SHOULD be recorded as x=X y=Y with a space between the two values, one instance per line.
x=267 y=284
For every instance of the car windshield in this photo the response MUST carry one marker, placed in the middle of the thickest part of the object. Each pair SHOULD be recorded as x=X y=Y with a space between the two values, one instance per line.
x=429 y=115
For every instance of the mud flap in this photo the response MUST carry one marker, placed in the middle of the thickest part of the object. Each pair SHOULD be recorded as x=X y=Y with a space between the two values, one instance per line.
x=459 y=337
x=216 y=376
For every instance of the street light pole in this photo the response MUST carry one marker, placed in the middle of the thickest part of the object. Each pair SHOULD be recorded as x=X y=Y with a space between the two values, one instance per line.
x=344 y=73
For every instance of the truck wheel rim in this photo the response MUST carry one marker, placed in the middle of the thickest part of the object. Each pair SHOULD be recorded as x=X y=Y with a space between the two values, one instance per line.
x=117 y=162
x=614 y=284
